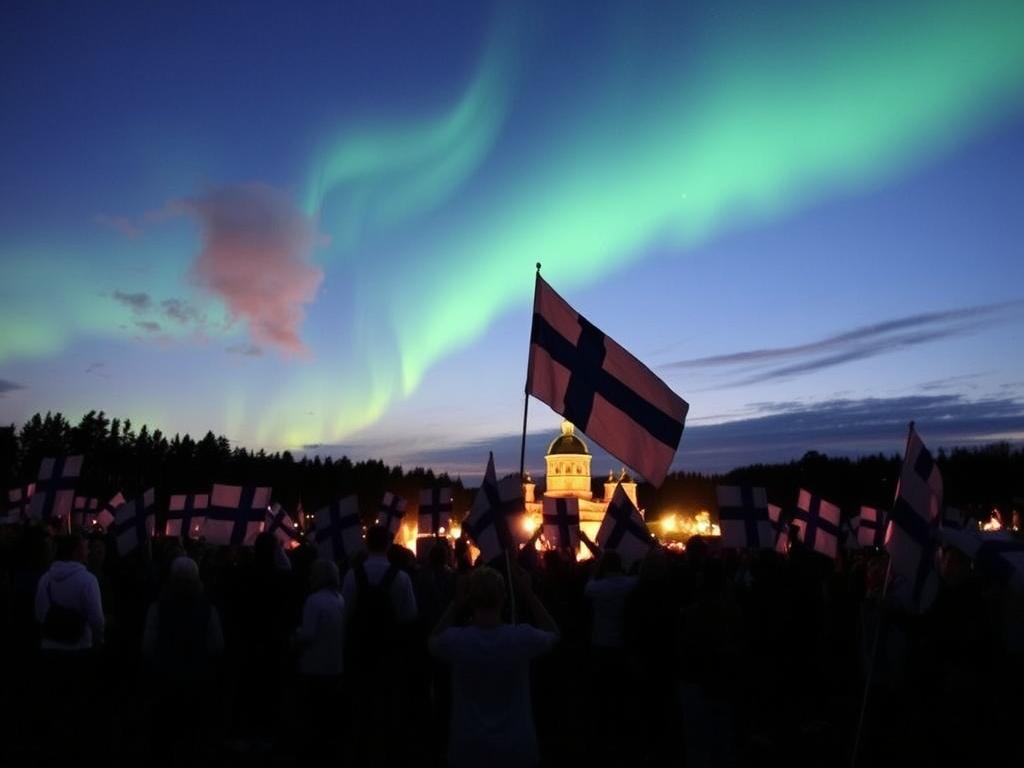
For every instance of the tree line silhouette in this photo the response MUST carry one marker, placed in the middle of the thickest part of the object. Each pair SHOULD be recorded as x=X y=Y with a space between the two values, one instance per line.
x=119 y=458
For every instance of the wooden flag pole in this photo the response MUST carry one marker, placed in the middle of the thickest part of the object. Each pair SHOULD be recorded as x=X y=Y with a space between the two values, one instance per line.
x=878 y=632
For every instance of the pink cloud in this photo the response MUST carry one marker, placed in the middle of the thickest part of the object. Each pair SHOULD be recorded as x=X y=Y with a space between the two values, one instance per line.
x=121 y=224
x=256 y=258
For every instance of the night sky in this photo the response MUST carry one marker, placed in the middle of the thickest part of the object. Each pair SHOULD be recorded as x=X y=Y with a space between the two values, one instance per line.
x=317 y=225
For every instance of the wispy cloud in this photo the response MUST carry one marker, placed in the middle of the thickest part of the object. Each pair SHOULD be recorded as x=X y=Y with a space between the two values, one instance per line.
x=181 y=311
x=148 y=325
x=9 y=386
x=766 y=364
x=136 y=302
x=774 y=431
x=256 y=258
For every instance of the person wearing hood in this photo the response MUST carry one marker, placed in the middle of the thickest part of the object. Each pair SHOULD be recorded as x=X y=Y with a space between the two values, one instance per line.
x=68 y=604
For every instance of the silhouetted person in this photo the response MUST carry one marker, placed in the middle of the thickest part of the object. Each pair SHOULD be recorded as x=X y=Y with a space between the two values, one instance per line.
x=492 y=723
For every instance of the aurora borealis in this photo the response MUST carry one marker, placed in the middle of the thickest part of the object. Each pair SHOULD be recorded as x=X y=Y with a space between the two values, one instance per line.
x=318 y=226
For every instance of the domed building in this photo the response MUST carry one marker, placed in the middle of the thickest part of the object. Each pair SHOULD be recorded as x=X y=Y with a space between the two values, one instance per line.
x=568 y=476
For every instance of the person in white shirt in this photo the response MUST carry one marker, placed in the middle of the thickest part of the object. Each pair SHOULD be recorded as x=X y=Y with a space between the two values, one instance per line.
x=492 y=719
x=70 y=586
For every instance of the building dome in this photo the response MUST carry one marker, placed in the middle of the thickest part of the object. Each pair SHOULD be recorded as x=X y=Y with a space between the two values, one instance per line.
x=567 y=442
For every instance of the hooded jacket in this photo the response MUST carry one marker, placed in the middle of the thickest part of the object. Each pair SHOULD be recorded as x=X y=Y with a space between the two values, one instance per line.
x=72 y=586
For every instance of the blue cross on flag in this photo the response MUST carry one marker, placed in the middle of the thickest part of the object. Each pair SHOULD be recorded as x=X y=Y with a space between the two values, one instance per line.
x=391 y=513
x=435 y=510
x=601 y=388
x=338 y=529
x=85 y=510
x=186 y=514
x=236 y=514
x=623 y=529
x=871 y=527
x=562 y=522
x=134 y=522
x=106 y=515
x=494 y=521
x=280 y=523
x=55 y=488
x=743 y=517
x=817 y=523
x=780 y=528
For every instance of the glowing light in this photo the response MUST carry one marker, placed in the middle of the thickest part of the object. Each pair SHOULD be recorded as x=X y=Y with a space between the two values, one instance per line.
x=455 y=532
x=529 y=524
x=994 y=523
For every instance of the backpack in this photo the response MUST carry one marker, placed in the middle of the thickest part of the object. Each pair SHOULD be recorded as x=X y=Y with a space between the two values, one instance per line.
x=62 y=624
x=373 y=628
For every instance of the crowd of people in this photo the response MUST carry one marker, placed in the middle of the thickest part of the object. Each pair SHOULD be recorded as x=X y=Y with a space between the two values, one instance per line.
x=183 y=653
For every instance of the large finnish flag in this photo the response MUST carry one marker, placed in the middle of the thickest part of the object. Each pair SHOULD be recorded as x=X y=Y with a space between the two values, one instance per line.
x=912 y=533
x=601 y=388
x=391 y=513
x=435 y=512
x=338 y=529
x=871 y=527
x=494 y=519
x=236 y=514
x=18 y=502
x=186 y=514
x=623 y=530
x=817 y=523
x=55 y=488
x=562 y=522
x=134 y=522
x=281 y=524
x=743 y=517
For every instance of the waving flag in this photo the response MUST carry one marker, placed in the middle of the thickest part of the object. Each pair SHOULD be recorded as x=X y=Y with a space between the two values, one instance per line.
x=134 y=522
x=18 y=502
x=743 y=517
x=493 y=521
x=391 y=513
x=55 y=488
x=186 y=514
x=780 y=526
x=817 y=523
x=871 y=529
x=912 y=534
x=562 y=522
x=338 y=530
x=236 y=514
x=435 y=510
x=280 y=523
x=601 y=388
x=623 y=530
x=107 y=514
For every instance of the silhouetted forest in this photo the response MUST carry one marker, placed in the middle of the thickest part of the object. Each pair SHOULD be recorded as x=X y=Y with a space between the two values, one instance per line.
x=121 y=458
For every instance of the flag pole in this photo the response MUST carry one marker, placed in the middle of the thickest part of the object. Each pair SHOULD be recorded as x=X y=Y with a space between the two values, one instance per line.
x=878 y=632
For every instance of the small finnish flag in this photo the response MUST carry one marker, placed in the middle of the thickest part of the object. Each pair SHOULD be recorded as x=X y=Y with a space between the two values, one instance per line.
x=280 y=523
x=107 y=514
x=338 y=529
x=391 y=513
x=55 y=488
x=743 y=517
x=562 y=522
x=236 y=514
x=817 y=523
x=435 y=515
x=623 y=530
x=186 y=514
x=871 y=527
x=494 y=520
x=134 y=522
